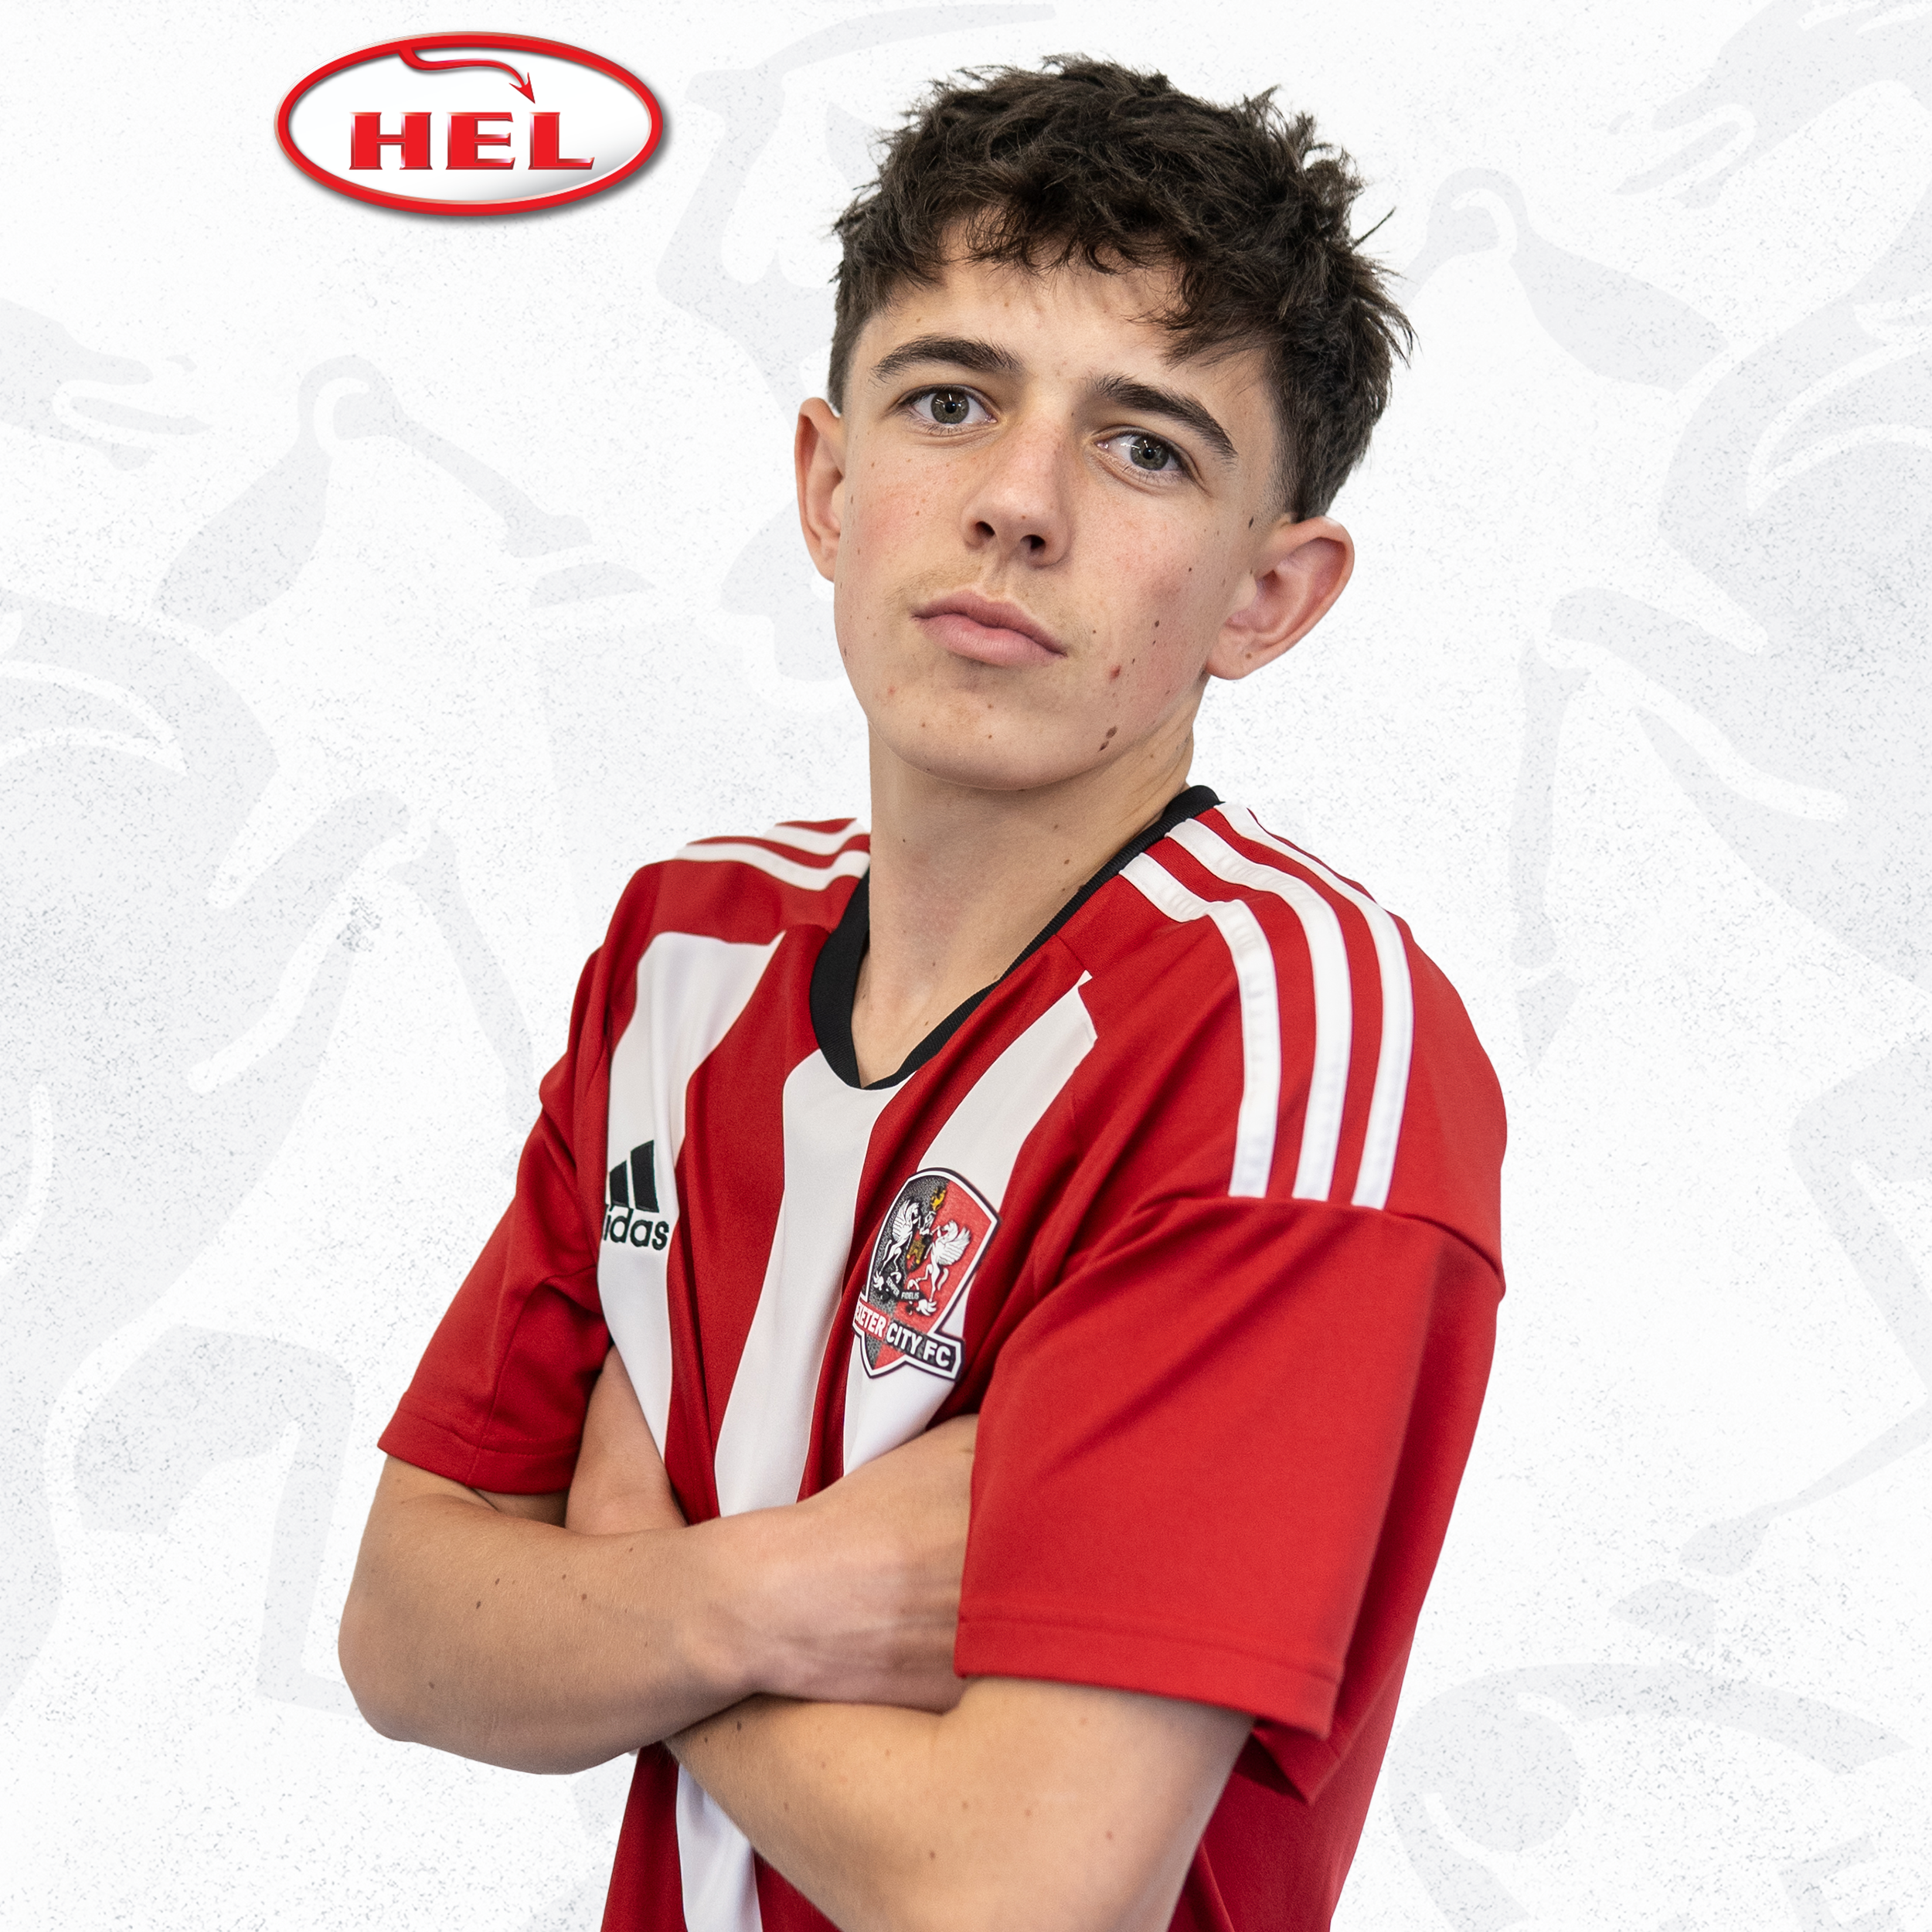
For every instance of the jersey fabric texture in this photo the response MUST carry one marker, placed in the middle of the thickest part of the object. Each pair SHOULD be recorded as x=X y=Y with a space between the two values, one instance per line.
x=1197 y=1206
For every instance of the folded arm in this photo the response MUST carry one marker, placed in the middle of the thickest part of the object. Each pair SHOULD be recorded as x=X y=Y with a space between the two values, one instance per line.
x=1059 y=1806
x=1028 y=1803
x=547 y=1634
x=550 y=1633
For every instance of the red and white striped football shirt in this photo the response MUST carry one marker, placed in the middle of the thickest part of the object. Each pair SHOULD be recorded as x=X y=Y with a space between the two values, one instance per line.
x=1197 y=1207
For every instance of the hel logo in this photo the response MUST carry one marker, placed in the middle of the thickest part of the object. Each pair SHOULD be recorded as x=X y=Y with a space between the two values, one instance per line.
x=935 y=1232
x=493 y=125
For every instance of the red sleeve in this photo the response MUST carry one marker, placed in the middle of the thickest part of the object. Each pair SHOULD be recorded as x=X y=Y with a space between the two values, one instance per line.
x=498 y=1401
x=1217 y=1461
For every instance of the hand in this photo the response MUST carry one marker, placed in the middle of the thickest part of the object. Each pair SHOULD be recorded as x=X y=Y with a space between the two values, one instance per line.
x=620 y=1484
x=852 y=1596
x=886 y=1546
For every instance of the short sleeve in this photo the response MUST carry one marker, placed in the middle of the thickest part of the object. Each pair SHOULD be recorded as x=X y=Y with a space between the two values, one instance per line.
x=1216 y=1461
x=499 y=1399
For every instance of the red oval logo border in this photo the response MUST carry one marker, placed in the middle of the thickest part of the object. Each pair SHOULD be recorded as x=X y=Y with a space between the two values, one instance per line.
x=513 y=42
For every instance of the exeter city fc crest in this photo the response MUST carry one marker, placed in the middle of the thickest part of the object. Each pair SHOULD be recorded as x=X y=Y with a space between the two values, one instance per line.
x=935 y=1232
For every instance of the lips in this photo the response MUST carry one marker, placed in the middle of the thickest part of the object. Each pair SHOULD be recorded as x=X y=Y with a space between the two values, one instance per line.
x=986 y=630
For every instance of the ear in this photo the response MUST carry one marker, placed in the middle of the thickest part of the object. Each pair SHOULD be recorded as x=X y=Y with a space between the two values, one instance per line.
x=1300 y=571
x=818 y=456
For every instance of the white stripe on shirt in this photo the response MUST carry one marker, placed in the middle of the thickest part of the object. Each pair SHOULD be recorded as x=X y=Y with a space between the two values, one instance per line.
x=717 y=1883
x=793 y=872
x=1260 y=1014
x=691 y=989
x=1334 y=1001
x=763 y=1441
x=1391 y=1094
x=803 y=838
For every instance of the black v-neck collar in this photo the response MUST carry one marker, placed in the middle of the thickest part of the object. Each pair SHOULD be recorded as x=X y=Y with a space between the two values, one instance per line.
x=835 y=977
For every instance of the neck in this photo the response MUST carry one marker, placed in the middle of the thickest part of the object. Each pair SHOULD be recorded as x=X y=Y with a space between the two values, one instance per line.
x=962 y=880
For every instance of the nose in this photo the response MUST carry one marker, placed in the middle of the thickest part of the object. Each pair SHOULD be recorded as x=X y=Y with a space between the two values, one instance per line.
x=1019 y=505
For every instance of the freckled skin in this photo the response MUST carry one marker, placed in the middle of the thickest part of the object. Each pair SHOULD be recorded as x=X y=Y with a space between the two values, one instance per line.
x=1037 y=499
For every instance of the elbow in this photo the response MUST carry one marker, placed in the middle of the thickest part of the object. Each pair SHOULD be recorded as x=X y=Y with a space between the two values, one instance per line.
x=368 y=1661
x=393 y=1680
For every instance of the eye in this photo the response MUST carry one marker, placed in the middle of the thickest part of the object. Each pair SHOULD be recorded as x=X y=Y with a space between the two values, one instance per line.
x=950 y=408
x=1150 y=453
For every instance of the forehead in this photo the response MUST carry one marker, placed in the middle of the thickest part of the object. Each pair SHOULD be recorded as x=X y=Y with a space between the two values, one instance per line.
x=1122 y=304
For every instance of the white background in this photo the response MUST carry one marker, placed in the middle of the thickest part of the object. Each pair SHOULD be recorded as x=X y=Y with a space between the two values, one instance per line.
x=376 y=591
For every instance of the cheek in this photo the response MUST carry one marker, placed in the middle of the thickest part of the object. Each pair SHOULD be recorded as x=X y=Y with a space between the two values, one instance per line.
x=887 y=518
x=886 y=504
x=1162 y=611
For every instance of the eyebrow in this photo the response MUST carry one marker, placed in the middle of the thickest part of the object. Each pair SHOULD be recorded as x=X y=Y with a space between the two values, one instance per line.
x=1145 y=399
x=1128 y=392
x=962 y=351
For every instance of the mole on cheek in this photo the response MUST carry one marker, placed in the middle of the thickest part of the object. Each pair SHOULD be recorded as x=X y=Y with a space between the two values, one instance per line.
x=1114 y=673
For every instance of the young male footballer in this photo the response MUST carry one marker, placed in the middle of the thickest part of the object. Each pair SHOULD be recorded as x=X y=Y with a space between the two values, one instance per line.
x=972 y=1381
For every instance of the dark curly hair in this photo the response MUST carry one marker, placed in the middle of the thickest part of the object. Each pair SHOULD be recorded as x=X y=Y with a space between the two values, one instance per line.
x=1087 y=161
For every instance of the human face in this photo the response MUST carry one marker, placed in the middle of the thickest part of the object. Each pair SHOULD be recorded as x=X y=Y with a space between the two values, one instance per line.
x=1045 y=530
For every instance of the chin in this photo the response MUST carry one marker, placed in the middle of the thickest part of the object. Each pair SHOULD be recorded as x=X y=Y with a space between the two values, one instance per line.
x=1011 y=761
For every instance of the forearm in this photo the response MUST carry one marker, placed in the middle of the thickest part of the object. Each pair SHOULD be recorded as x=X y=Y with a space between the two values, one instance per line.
x=523 y=1644
x=1049 y=1806
x=848 y=1845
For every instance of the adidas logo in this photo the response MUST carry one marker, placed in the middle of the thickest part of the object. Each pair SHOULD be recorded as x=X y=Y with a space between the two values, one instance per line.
x=631 y=1215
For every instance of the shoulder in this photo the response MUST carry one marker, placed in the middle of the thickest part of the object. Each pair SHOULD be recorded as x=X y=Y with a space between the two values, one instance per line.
x=751 y=889
x=1343 y=1058
x=719 y=899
